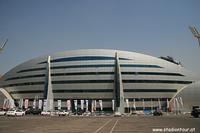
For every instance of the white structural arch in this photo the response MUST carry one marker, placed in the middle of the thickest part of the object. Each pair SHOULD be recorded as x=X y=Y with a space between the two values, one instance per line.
x=190 y=96
x=5 y=93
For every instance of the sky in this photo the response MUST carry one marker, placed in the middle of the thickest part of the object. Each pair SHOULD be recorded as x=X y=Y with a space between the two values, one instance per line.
x=154 y=27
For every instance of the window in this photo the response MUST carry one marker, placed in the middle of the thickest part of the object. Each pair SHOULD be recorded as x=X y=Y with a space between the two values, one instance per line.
x=157 y=81
x=150 y=90
x=84 y=58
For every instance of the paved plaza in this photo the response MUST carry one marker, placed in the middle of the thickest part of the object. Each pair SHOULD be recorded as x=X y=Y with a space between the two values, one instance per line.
x=107 y=124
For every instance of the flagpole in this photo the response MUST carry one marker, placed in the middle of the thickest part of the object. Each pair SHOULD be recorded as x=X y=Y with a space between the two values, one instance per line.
x=178 y=107
x=181 y=103
x=151 y=107
x=86 y=103
x=92 y=107
x=134 y=104
x=113 y=105
x=167 y=105
x=75 y=105
x=127 y=104
x=143 y=104
x=174 y=102
x=159 y=104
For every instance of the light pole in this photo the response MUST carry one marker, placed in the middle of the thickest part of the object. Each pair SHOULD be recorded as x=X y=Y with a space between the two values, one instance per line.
x=195 y=33
x=3 y=45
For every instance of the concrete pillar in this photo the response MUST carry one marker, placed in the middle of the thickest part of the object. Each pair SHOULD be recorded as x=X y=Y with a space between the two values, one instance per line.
x=48 y=93
x=118 y=90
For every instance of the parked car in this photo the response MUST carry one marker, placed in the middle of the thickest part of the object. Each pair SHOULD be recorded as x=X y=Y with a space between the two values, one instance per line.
x=33 y=111
x=117 y=114
x=195 y=112
x=139 y=112
x=15 y=112
x=2 y=112
x=87 y=113
x=46 y=113
x=54 y=113
x=63 y=113
x=28 y=111
x=36 y=111
x=158 y=112
x=78 y=112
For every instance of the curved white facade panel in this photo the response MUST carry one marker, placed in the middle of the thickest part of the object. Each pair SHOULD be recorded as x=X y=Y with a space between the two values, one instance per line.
x=190 y=96
x=91 y=74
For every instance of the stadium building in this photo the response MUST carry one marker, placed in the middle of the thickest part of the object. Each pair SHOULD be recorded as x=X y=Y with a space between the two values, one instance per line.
x=131 y=79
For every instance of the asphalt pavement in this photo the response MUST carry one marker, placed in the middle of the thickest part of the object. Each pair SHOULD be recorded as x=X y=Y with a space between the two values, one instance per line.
x=99 y=124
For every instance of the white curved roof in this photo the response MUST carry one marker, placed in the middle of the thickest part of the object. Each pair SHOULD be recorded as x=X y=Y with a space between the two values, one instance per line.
x=134 y=57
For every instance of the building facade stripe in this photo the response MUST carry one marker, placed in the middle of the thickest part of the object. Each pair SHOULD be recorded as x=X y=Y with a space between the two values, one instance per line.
x=97 y=73
x=90 y=66
x=100 y=81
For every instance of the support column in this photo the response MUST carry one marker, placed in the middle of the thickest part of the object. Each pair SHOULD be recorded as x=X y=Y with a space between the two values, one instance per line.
x=118 y=90
x=48 y=93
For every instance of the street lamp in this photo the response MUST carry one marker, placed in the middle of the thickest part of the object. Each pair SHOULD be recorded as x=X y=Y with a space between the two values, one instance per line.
x=195 y=33
x=3 y=45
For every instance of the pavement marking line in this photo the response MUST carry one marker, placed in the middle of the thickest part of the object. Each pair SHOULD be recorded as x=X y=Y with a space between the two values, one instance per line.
x=114 y=126
x=131 y=131
x=102 y=126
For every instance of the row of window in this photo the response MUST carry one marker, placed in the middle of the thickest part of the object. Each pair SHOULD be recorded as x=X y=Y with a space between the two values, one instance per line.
x=24 y=84
x=25 y=77
x=83 y=58
x=124 y=81
x=109 y=99
x=90 y=66
x=95 y=91
x=153 y=73
x=81 y=81
x=100 y=81
x=31 y=69
x=157 y=81
x=150 y=90
x=97 y=73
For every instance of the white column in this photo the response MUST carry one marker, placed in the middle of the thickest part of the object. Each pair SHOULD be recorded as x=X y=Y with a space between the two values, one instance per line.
x=159 y=104
x=68 y=105
x=86 y=103
x=59 y=104
x=75 y=105
x=26 y=103
x=101 y=105
x=134 y=104
x=113 y=105
x=82 y=104
x=127 y=105
x=50 y=98
x=143 y=104
x=40 y=104
x=118 y=86
x=21 y=102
